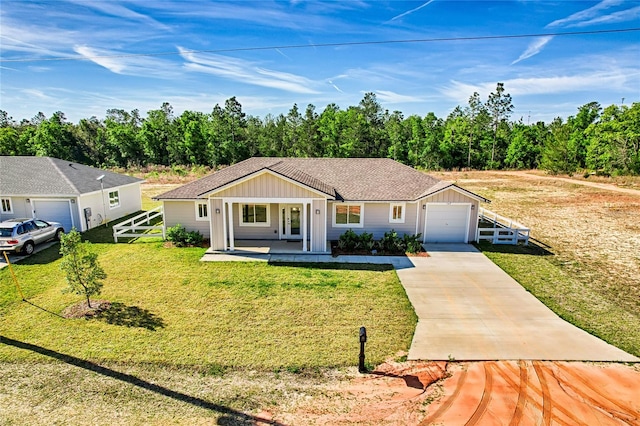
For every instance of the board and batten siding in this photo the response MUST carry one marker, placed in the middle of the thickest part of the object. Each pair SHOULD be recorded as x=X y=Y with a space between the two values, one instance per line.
x=376 y=221
x=266 y=186
x=184 y=213
x=318 y=232
x=452 y=196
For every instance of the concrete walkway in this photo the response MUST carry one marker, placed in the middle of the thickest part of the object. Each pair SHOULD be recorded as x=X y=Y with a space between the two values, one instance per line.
x=470 y=309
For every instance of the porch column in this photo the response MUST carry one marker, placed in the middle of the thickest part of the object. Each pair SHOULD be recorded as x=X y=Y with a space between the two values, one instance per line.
x=231 y=243
x=224 y=224
x=311 y=220
x=304 y=226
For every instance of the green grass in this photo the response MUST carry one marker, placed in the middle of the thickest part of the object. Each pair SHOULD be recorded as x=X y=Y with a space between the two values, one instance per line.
x=174 y=310
x=579 y=301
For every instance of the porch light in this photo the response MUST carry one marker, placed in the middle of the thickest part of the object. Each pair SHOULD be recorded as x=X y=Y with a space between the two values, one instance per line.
x=217 y=211
x=317 y=211
x=424 y=207
x=28 y=200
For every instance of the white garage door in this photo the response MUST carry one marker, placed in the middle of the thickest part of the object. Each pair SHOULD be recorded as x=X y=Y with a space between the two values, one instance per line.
x=54 y=210
x=447 y=223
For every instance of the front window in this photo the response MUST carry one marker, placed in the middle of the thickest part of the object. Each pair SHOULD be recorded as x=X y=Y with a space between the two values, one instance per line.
x=202 y=211
x=254 y=215
x=6 y=205
x=348 y=215
x=114 y=199
x=396 y=213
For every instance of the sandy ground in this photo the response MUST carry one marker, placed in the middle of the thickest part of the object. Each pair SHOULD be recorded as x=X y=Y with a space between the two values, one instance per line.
x=482 y=393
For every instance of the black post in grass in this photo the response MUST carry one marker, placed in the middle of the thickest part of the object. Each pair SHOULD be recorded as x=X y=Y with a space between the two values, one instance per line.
x=363 y=339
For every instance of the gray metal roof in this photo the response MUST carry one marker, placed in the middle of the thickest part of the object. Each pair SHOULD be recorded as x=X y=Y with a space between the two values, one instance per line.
x=350 y=179
x=51 y=176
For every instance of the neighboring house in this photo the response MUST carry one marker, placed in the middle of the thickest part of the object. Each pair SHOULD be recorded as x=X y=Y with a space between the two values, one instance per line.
x=317 y=199
x=66 y=192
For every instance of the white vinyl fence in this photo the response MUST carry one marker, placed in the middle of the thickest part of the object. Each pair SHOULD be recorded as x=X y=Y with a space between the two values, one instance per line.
x=503 y=231
x=132 y=228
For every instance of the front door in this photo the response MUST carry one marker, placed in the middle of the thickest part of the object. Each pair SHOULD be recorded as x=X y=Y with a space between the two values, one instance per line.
x=291 y=221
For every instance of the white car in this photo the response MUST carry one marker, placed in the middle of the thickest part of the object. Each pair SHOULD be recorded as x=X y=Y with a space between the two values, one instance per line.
x=21 y=235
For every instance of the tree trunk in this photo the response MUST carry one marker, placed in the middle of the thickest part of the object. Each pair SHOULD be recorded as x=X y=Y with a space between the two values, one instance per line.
x=88 y=302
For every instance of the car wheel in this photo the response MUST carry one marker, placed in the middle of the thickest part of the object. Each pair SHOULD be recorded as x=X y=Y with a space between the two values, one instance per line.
x=59 y=233
x=27 y=248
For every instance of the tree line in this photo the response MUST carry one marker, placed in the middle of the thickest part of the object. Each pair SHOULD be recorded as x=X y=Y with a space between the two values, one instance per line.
x=479 y=135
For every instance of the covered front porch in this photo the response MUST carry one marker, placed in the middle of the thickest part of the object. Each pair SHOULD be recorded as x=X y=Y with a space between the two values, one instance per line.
x=264 y=247
x=260 y=225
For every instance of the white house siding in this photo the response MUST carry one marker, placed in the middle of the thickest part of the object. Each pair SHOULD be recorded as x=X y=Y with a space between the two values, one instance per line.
x=20 y=208
x=217 y=239
x=267 y=185
x=376 y=221
x=184 y=213
x=452 y=196
x=318 y=238
x=256 y=232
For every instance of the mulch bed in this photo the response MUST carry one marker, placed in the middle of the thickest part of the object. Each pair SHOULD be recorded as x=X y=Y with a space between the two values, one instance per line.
x=335 y=251
x=82 y=310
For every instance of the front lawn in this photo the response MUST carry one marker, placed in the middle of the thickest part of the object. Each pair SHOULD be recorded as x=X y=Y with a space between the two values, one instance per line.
x=578 y=302
x=170 y=309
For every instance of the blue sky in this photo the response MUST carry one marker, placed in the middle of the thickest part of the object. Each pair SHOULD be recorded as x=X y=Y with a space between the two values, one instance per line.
x=104 y=43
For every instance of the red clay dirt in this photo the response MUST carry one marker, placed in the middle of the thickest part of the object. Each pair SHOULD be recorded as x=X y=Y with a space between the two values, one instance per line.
x=480 y=393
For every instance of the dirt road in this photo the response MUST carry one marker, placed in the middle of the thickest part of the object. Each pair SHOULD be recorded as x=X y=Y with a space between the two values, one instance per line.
x=598 y=185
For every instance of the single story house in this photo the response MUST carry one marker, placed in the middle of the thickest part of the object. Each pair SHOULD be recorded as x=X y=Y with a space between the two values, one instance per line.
x=317 y=199
x=73 y=194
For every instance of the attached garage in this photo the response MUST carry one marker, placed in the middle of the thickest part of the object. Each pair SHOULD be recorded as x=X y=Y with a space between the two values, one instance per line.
x=447 y=223
x=55 y=211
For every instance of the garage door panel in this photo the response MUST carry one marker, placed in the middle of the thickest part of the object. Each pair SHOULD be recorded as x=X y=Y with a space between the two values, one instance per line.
x=54 y=211
x=446 y=223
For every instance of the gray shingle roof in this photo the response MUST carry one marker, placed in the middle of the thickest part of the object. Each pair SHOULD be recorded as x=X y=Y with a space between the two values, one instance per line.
x=350 y=179
x=51 y=176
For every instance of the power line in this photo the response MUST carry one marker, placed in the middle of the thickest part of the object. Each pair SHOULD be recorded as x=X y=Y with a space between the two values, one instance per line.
x=306 y=46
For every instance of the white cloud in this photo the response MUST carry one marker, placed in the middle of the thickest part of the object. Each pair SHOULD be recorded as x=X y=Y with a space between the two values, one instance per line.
x=585 y=15
x=409 y=12
x=620 y=16
x=128 y=64
x=396 y=98
x=119 y=11
x=246 y=72
x=534 y=48
x=553 y=85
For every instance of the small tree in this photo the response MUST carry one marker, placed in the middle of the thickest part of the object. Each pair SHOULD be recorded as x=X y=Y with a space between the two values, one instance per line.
x=81 y=266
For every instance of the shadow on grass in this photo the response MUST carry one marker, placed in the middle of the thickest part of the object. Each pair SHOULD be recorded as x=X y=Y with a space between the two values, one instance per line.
x=337 y=266
x=535 y=248
x=230 y=417
x=130 y=316
x=42 y=309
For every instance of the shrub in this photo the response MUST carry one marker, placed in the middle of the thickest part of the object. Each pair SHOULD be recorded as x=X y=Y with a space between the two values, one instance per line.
x=349 y=240
x=180 y=237
x=412 y=243
x=391 y=241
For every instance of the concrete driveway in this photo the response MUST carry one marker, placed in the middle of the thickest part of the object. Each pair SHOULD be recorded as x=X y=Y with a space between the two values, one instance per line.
x=14 y=258
x=469 y=309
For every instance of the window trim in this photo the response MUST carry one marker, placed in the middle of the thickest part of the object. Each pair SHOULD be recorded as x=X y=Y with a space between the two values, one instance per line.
x=2 y=205
x=348 y=225
x=241 y=221
x=197 y=206
x=403 y=212
x=113 y=205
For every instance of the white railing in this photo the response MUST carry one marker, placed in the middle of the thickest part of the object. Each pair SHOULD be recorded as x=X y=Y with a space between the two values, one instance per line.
x=130 y=227
x=504 y=230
